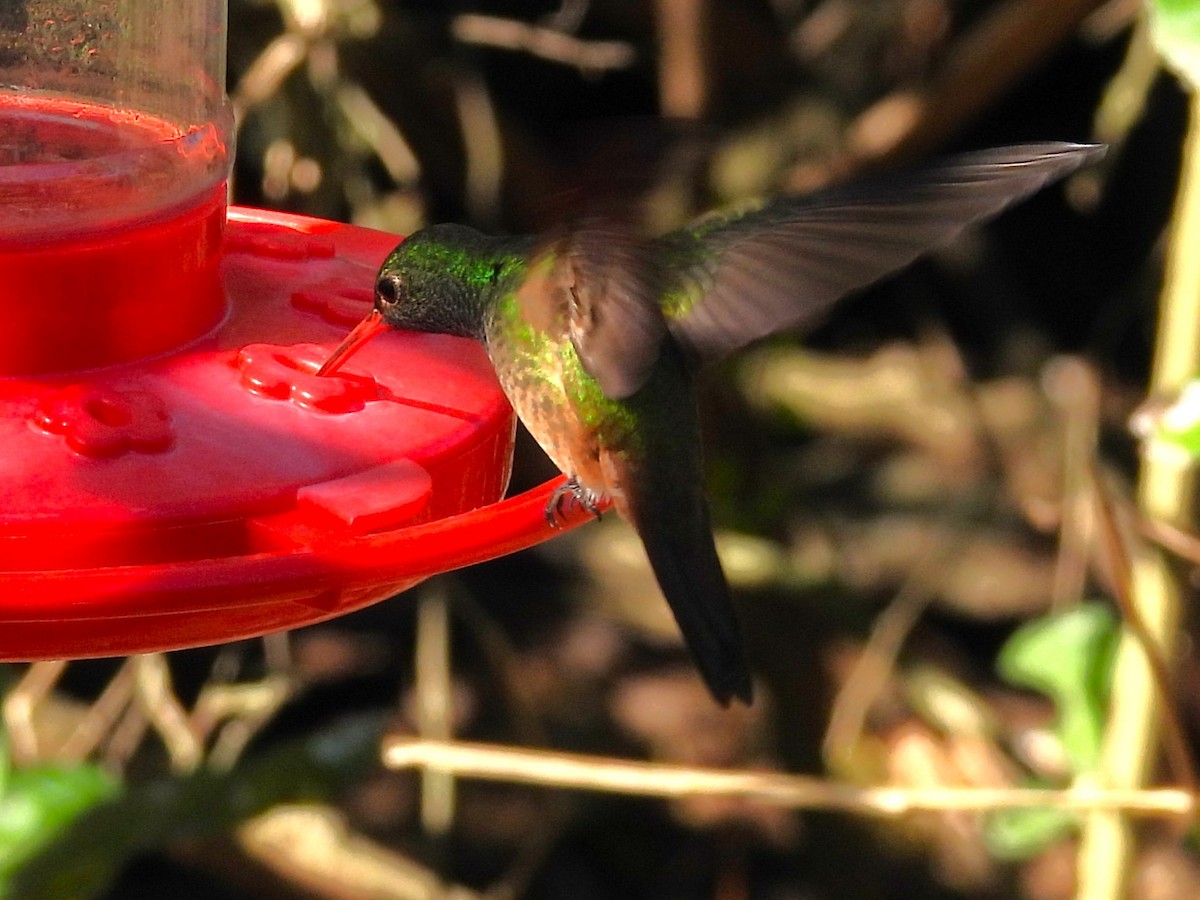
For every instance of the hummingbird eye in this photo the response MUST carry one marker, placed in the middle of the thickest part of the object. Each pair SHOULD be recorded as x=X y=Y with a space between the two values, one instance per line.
x=387 y=288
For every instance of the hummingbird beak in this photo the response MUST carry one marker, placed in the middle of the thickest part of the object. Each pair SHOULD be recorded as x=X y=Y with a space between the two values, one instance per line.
x=363 y=332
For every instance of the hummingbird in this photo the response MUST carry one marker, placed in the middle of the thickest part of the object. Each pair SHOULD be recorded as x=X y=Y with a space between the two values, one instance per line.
x=597 y=334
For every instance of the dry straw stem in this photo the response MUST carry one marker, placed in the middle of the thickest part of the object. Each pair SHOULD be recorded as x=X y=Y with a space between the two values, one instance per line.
x=1165 y=494
x=877 y=663
x=435 y=703
x=314 y=849
x=546 y=43
x=562 y=770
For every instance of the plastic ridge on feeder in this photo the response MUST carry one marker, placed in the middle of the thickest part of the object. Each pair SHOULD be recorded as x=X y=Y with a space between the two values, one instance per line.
x=175 y=472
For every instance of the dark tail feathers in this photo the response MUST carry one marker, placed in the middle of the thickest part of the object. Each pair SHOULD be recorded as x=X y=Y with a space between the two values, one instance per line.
x=684 y=558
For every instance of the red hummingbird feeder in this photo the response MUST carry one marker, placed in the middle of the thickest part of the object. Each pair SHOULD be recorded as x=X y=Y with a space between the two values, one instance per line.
x=175 y=473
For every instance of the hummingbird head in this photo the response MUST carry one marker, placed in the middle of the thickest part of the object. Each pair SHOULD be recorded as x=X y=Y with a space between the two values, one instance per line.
x=441 y=280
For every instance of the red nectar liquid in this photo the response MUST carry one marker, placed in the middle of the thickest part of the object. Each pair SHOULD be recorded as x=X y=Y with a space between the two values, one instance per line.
x=110 y=233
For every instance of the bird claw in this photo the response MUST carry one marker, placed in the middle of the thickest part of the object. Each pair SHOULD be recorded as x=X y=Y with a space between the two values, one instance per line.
x=568 y=495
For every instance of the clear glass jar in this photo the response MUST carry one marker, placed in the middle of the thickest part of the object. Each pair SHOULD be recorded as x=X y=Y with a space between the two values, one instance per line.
x=115 y=149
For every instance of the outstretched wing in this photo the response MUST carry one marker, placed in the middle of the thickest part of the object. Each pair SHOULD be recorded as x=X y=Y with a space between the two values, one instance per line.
x=614 y=283
x=743 y=277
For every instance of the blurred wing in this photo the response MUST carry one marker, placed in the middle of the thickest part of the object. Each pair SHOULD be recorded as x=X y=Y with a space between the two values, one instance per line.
x=614 y=317
x=783 y=265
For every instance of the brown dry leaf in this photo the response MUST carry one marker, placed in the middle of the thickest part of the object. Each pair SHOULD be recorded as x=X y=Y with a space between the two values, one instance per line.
x=900 y=750
x=674 y=715
x=1162 y=872
x=919 y=758
x=1166 y=872
x=312 y=846
x=986 y=574
x=329 y=653
x=1029 y=442
x=1051 y=874
x=913 y=394
x=564 y=678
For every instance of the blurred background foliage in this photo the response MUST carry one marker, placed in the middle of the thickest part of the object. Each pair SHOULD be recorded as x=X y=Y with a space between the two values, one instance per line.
x=904 y=503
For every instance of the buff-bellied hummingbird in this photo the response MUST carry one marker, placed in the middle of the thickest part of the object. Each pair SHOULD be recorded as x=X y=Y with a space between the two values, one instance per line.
x=596 y=335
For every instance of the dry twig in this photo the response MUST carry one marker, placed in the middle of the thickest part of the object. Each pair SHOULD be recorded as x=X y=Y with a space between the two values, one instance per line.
x=574 y=771
x=544 y=43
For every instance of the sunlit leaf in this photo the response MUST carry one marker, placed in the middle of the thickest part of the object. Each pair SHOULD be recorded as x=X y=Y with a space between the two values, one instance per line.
x=1068 y=657
x=1022 y=833
x=1178 y=425
x=39 y=804
x=89 y=854
x=1175 y=25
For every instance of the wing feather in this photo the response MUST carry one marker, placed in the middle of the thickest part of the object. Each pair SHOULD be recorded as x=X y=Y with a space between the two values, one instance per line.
x=616 y=323
x=743 y=277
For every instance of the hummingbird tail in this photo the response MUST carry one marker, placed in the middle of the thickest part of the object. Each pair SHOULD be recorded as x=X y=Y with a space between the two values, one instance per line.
x=672 y=519
x=690 y=575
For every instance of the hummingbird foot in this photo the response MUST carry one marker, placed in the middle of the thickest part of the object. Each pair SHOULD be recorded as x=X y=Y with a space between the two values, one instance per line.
x=567 y=496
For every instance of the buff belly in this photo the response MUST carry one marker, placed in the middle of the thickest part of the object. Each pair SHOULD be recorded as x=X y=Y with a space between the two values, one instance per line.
x=540 y=400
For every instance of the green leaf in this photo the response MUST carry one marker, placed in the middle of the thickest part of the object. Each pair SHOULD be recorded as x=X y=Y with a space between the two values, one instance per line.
x=5 y=761
x=1175 y=27
x=40 y=803
x=1068 y=657
x=93 y=850
x=1178 y=425
x=1021 y=833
